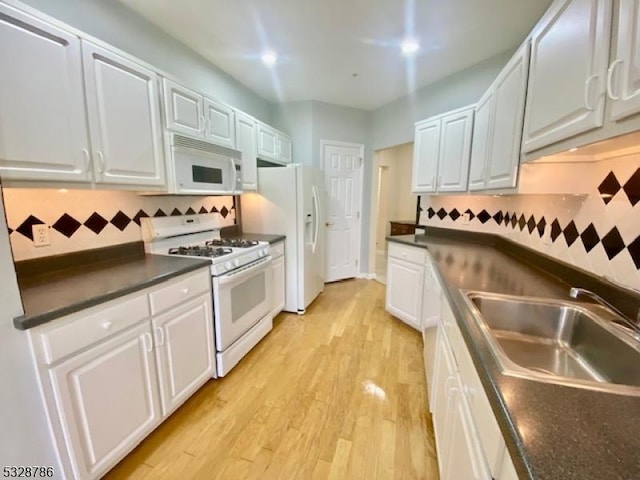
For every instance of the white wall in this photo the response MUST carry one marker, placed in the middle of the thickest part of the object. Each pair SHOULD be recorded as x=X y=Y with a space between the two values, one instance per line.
x=24 y=432
x=114 y=23
x=296 y=119
x=393 y=122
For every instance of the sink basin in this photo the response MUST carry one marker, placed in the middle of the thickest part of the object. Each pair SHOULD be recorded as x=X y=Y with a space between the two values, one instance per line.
x=557 y=342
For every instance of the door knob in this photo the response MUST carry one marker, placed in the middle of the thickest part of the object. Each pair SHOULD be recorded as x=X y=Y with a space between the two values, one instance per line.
x=328 y=224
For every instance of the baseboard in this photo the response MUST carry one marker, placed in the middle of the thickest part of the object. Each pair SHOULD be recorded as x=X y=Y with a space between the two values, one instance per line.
x=366 y=276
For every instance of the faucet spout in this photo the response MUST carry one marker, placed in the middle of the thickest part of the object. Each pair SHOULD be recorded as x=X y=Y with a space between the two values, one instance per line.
x=634 y=325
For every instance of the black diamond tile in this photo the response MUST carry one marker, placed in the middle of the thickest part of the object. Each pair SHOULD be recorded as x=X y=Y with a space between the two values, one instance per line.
x=176 y=213
x=609 y=187
x=139 y=215
x=431 y=212
x=214 y=210
x=507 y=218
x=203 y=210
x=441 y=213
x=522 y=222
x=120 y=220
x=159 y=213
x=455 y=214
x=498 y=217
x=634 y=250
x=25 y=228
x=531 y=224
x=570 y=233
x=632 y=188
x=96 y=223
x=541 y=226
x=471 y=214
x=190 y=211
x=613 y=243
x=589 y=237
x=514 y=220
x=224 y=212
x=10 y=231
x=67 y=225
x=556 y=230
x=484 y=216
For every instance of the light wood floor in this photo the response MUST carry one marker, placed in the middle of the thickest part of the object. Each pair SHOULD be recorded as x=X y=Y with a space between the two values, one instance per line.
x=338 y=393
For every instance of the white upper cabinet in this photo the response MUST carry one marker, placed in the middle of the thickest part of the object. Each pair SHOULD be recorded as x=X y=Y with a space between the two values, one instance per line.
x=510 y=90
x=285 y=154
x=273 y=145
x=43 y=134
x=567 y=78
x=455 y=150
x=124 y=119
x=441 y=152
x=267 y=142
x=426 y=151
x=219 y=123
x=481 y=142
x=246 y=143
x=184 y=109
x=623 y=80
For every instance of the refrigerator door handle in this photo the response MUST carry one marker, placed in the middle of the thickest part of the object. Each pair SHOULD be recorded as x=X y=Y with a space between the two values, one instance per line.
x=316 y=220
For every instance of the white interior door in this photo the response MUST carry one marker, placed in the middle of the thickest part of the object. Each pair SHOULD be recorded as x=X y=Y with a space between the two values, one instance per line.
x=343 y=182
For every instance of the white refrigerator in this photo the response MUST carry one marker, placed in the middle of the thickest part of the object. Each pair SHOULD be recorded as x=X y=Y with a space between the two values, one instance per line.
x=291 y=201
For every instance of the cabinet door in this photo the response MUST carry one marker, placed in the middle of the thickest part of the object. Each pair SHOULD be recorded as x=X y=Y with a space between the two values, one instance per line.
x=569 y=59
x=43 y=134
x=186 y=353
x=124 y=119
x=246 y=143
x=426 y=151
x=183 y=109
x=624 y=71
x=405 y=281
x=284 y=149
x=220 y=123
x=481 y=142
x=107 y=400
x=278 y=285
x=267 y=142
x=455 y=150
x=504 y=149
x=464 y=459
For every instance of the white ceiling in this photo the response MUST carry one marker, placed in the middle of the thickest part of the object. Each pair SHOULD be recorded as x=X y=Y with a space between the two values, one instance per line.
x=322 y=43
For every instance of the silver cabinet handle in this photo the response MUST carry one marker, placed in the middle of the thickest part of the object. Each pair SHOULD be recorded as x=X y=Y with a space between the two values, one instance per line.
x=100 y=161
x=87 y=160
x=610 y=74
x=160 y=335
x=147 y=341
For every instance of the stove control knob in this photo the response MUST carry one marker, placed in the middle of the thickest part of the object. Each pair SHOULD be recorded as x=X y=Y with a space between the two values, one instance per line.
x=236 y=262
x=227 y=266
x=260 y=253
x=265 y=252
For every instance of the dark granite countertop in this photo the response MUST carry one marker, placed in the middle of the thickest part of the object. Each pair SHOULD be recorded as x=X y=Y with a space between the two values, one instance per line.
x=260 y=237
x=51 y=294
x=551 y=431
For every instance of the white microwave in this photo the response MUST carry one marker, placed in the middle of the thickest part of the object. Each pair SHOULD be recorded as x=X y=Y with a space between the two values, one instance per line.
x=203 y=168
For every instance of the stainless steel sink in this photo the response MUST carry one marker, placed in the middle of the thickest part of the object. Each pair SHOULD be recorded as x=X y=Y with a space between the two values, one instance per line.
x=557 y=342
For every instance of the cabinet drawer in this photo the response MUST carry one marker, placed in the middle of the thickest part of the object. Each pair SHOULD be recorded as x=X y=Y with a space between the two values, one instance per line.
x=180 y=290
x=81 y=330
x=410 y=254
x=277 y=250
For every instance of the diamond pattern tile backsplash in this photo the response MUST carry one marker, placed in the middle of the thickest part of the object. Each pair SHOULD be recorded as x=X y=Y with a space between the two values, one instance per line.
x=598 y=231
x=84 y=219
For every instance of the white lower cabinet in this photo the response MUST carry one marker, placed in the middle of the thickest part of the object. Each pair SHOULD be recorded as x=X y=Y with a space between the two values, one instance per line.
x=405 y=282
x=279 y=286
x=468 y=438
x=111 y=374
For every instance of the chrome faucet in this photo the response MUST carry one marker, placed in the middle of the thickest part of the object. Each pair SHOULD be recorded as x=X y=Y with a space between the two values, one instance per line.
x=634 y=325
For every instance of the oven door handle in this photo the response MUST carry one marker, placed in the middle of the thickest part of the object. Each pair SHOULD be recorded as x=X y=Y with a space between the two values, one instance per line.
x=243 y=272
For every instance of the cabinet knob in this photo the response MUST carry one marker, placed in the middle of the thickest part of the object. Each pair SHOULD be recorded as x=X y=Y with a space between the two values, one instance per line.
x=185 y=291
x=106 y=325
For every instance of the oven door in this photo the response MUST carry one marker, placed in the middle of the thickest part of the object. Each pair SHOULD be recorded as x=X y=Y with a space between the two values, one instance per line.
x=241 y=298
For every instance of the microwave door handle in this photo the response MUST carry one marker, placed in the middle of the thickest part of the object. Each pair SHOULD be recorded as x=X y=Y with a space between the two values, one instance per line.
x=235 y=176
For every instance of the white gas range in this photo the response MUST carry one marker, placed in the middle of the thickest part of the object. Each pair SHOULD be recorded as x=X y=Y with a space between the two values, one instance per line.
x=241 y=278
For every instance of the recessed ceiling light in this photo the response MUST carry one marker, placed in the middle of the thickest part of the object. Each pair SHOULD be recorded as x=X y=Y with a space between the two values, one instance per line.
x=409 y=47
x=269 y=58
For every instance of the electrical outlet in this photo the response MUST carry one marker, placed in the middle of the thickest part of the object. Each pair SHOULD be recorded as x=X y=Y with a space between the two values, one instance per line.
x=546 y=236
x=466 y=218
x=40 y=235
